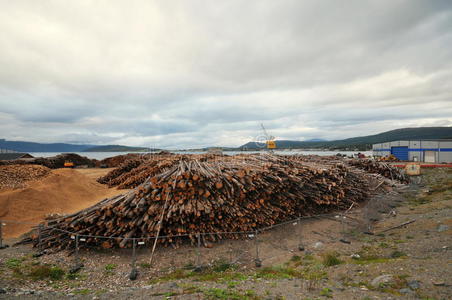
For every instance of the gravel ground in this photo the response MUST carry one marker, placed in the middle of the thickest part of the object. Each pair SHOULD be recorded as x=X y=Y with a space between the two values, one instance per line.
x=408 y=262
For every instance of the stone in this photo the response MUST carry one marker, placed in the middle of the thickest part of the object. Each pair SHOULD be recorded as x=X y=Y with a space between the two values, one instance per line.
x=173 y=285
x=442 y=228
x=405 y=291
x=414 y=284
x=2 y=291
x=318 y=245
x=439 y=283
x=382 y=280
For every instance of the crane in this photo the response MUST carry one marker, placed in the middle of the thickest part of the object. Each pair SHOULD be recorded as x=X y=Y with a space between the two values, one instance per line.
x=270 y=140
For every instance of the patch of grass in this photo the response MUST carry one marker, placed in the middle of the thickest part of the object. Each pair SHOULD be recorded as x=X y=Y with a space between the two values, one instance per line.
x=314 y=273
x=295 y=258
x=222 y=266
x=383 y=245
x=278 y=272
x=75 y=276
x=175 y=275
x=296 y=261
x=189 y=289
x=331 y=259
x=326 y=292
x=145 y=265
x=14 y=263
x=82 y=292
x=369 y=254
x=210 y=274
x=398 y=254
x=46 y=272
x=226 y=294
x=110 y=267
x=399 y=241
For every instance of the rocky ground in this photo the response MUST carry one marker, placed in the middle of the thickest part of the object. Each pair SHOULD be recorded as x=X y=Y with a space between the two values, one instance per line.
x=408 y=256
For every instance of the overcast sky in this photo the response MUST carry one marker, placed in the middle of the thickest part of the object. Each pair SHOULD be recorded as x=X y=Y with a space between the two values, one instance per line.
x=181 y=74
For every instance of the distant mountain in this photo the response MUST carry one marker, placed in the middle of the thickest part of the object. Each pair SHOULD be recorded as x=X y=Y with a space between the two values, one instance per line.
x=117 y=148
x=21 y=146
x=363 y=142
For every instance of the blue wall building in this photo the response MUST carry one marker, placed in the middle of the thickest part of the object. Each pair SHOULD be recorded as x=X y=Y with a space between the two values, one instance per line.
x=431 y=151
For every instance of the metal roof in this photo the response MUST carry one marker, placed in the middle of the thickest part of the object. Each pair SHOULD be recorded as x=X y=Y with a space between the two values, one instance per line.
x=12 y=156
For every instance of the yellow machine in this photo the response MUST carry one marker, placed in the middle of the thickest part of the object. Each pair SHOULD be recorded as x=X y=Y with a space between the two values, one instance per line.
x=270 y=140
x=68 y=164
x=390 y=157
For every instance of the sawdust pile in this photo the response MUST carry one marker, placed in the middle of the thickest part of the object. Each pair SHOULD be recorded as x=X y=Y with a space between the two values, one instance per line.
x=17 y=176
x=62 y=191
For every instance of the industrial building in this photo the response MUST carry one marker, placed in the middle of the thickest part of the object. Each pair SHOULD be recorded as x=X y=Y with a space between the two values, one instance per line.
x=430 y=151
x=14 y=155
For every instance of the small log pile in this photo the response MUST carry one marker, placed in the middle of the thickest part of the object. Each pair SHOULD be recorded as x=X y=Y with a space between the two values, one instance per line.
x=194 y=196
x=381 y=168
x=54 y=162
x=118 y=160
x=111 y=179
x=17 y=176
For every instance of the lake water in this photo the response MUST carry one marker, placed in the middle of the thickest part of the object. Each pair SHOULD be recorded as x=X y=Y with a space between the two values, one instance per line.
x=102 y=155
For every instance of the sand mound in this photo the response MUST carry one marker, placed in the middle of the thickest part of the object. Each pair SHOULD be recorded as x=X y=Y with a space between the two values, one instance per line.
x=62 y=191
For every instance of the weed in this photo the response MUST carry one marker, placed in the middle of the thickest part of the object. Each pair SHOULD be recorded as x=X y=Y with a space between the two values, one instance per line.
x=222 y=266
x=278 y=272
x=75 y=276
x=216 y=293
x=82 y=292
x=13 y=263
x=110 y=267
x=398 y=254
x=295 y=258
x=189 y=289
x=232 y=284
x=368 y=255
x=46 y=272
x=327 y=292
x=383 y=245
x=145 y=265
x=314 y=273
x=331 y=259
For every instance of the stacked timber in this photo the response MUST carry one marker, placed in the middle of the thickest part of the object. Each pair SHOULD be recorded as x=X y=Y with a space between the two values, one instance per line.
x=381 y=168
x=17 y=176
x=133 y=172
x=234 y=194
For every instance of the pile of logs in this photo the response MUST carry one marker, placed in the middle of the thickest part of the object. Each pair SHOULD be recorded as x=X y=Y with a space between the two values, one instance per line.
x=381 y=168
x=118 y=160
x=54 y=162
x=192 y=195
x=133 y=172
x=17 y=176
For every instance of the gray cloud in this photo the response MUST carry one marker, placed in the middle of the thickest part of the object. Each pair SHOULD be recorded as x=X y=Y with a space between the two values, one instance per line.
x=188 y=74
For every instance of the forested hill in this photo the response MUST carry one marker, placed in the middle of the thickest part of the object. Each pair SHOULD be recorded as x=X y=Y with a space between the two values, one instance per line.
x=364 y=142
